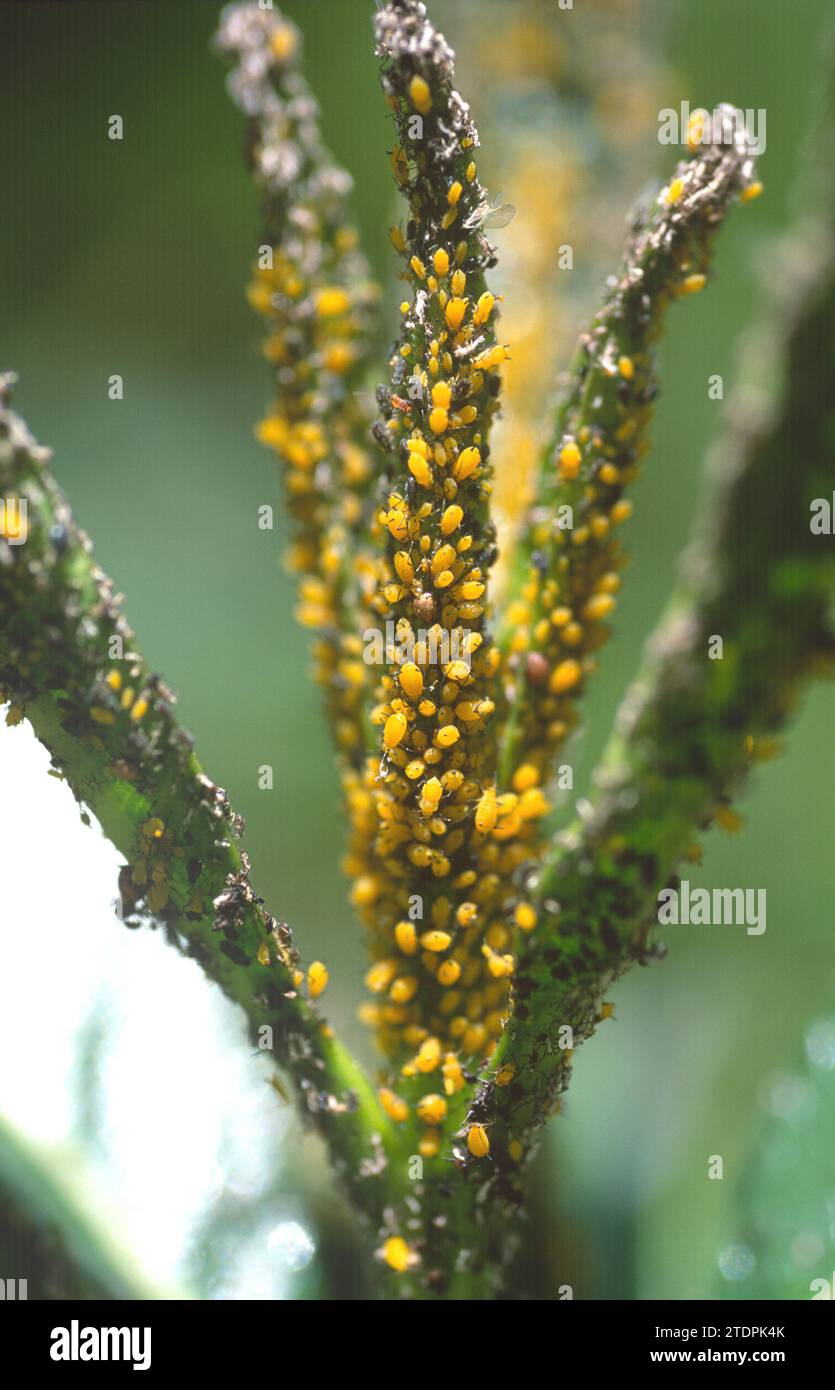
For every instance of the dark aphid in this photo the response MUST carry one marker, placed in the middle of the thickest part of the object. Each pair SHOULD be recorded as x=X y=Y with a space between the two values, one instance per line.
x=537 y=668
x=425 y=607
x=382 y=436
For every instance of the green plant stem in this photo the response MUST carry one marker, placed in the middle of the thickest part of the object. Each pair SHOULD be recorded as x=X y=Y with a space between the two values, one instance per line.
x=109 y=724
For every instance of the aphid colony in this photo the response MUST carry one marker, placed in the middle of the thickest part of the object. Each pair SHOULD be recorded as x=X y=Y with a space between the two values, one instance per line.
x=445 y=785
x=429 y=825
x=442 y=835
x=556 y=618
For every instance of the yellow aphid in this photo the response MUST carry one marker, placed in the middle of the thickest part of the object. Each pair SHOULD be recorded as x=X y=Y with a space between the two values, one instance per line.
x=693 y=284
x=398 y=1255
x=505 y=1074
x=397 y=239
x=447 y=736
x=114 y=680
x=438 y=420
x=420 y=95
x=394 y=1107
x=486 y=812
x=395 y=729
x=454 y=193
x=477 y=1141
x=338 y=358
x=525 y=777
x=449 y=973
x=451 y=519
x=483 y=308
x=454 y=312
x=405 y=934
x=515 y=1150
x=435 y=940
x=331 y=302
x=525 y=916
x=429 y=1145
x=675 y=190
x=430 y=794
x=442 y=394
x=440 y=261
x=565 y=676
x=140 y=709
x=403 y=566
x=418 y=267
x=465 y=465
x=431 y=1109
x=429 y=1055
x=626 y=367
x=598 y=607
x=452 y=1074
x=317 y=978
x=493 y=357
x=380 y=975
x=404 y=989
x=695 y=127
x=570 y=459
x=621 y=511
x=751 y=192
x=500 y=966
x=458 y=283
x=466 y=915
x=418 y=467
x=282 y=43
x=442 y=559
x=410 y=677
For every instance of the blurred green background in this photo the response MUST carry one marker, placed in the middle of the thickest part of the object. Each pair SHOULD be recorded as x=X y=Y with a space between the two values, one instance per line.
x=132 y=257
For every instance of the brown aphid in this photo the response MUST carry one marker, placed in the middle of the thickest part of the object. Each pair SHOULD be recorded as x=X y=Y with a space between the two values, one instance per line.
x=425 y=607
x=537 y=668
